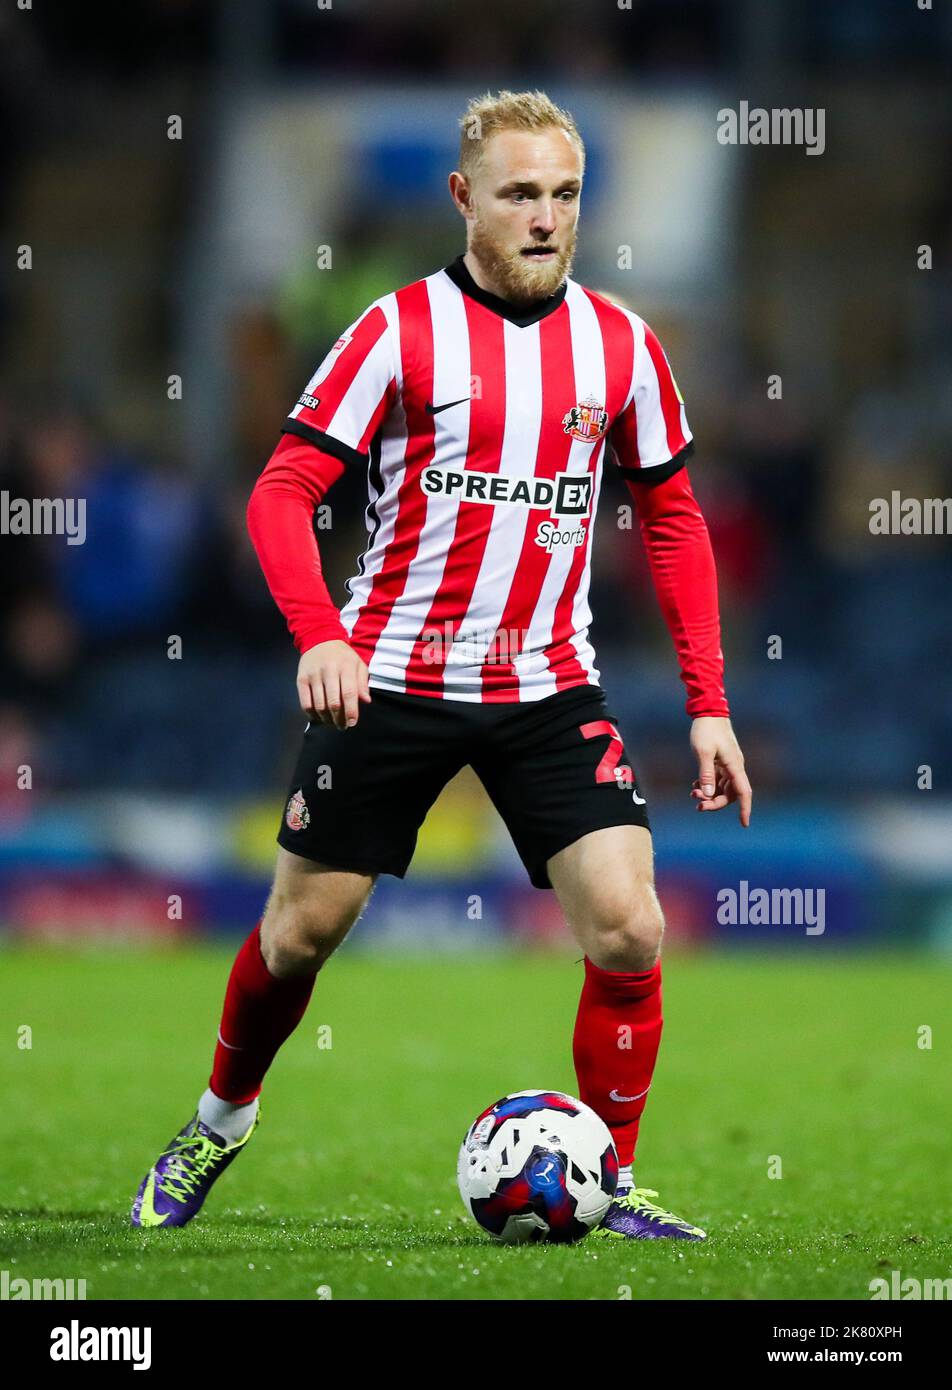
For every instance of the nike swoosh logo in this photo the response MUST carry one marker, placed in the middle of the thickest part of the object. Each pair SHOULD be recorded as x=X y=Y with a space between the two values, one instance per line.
x=613 y=1095
x=148 y=1216
x=432 y=409
x=231 y=1047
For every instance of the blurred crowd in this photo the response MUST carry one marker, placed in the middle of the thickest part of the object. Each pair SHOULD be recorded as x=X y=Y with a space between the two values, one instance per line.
x=108 y=645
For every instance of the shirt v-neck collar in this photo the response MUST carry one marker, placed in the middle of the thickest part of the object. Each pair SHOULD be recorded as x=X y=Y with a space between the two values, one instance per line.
x=521 y=315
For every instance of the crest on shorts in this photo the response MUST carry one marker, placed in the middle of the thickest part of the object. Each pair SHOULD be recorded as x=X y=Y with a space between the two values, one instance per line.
x=588 y=420
x=297 y=816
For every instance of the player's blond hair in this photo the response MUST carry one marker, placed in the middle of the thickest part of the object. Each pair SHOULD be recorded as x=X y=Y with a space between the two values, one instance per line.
x=488 y=114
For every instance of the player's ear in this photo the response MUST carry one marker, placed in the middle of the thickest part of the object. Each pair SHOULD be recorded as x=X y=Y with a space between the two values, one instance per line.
x=460 y=193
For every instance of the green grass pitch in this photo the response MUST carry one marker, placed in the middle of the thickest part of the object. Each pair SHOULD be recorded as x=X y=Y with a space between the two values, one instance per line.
x=348 y=1188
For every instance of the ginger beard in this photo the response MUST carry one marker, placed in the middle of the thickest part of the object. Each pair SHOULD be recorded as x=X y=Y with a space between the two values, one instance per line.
x=518 y=277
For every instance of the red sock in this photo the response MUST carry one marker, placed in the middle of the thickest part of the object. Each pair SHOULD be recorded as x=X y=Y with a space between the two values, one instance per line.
x=260 y=1013
x=617 y=1033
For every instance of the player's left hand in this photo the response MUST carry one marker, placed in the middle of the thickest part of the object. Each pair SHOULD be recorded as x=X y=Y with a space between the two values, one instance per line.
x=721 y=777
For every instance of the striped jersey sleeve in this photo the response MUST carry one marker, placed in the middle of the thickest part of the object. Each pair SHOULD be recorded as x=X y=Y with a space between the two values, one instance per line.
x=350 y=394
x=651 y=434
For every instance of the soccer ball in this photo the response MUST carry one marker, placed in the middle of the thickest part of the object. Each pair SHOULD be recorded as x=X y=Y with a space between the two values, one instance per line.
x=537 y=1165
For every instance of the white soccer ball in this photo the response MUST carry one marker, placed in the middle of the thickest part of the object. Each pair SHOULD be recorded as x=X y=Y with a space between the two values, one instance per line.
x=537 y=1165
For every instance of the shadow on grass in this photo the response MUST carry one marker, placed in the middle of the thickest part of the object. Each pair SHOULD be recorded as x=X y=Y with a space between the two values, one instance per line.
x=219 y=1237
x=45 y=1214
x=341 y=1234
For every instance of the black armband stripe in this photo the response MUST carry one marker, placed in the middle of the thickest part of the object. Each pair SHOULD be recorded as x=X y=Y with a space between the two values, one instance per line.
x=325 y=442
x=661 y=471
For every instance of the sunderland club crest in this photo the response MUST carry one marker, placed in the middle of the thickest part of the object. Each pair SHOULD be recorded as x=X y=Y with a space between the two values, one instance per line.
x=587 y=421
x=297 y=816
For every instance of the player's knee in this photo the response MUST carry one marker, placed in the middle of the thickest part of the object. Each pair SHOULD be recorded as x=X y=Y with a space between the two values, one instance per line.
x=298 y=935
x=629 y=939
x=288 y=949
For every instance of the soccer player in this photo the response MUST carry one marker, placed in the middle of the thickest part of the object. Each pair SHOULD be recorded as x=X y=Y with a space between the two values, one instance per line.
x=481 y=403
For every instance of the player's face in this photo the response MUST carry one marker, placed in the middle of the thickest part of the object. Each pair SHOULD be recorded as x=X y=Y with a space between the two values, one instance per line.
x=524 y=208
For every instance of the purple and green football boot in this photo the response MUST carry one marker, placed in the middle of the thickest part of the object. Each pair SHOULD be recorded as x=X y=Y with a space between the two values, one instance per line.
x=633 y=1216
x=174 y=1188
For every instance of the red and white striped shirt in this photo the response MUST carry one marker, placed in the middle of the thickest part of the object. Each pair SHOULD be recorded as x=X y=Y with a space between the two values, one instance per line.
x=483 y=431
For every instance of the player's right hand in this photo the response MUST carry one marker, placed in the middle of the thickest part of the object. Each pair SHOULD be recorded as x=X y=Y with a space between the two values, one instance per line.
x=332 y=681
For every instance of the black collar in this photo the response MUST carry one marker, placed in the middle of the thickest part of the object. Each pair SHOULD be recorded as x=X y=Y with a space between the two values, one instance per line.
x=520 y=315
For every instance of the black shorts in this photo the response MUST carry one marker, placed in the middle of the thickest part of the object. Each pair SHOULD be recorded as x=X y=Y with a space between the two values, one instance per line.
x=555 y=769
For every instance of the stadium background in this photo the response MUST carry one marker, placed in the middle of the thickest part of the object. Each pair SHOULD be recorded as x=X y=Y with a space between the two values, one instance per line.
x=155 y=779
